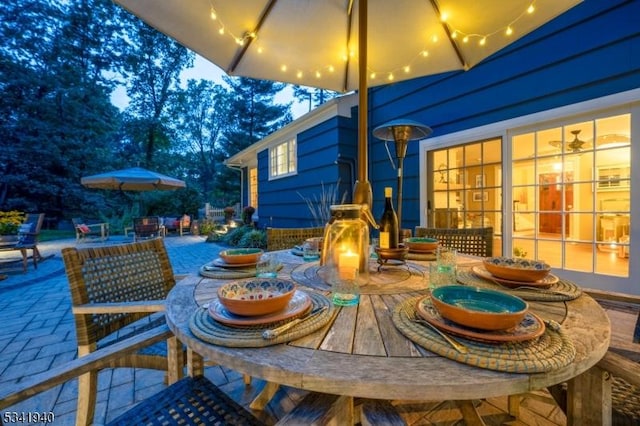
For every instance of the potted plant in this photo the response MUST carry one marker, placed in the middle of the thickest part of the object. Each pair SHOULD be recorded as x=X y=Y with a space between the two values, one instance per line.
x=9 y=224
x=228 y=214
x=247 y=214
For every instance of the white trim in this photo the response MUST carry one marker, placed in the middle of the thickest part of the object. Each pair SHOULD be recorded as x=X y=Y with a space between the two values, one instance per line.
x=340 y=106
x=628 y=101
x=503 y=129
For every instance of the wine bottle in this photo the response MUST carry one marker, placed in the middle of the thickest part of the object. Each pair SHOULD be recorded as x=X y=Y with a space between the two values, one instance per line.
x=388 y=223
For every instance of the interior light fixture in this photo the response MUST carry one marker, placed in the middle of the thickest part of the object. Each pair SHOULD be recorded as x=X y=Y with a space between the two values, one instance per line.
x=574 y=146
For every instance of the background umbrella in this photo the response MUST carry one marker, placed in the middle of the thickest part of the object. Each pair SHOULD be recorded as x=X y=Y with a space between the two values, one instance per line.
x=326 y=44
x=133 y=179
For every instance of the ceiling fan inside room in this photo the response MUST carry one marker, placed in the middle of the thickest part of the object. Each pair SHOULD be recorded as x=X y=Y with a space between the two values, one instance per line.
x=576 y=145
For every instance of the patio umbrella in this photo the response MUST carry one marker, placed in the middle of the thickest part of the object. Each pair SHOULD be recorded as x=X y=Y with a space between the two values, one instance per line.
x=133 y=179
x=326 y=44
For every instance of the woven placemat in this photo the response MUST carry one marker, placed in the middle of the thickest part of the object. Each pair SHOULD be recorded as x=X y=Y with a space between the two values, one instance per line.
x=212 y=331
x=211 y=271
x=551 y=351
x=561 y=291
x=421 y=256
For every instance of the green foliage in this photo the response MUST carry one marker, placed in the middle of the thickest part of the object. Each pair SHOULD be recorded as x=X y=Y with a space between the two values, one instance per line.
x=234 y=235
x=10 y=222
x=319 y=205
x=59 y=65
x=255 y=238
x=213 y=230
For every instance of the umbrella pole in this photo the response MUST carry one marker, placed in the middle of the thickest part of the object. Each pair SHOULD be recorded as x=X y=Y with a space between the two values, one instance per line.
x=362 y=193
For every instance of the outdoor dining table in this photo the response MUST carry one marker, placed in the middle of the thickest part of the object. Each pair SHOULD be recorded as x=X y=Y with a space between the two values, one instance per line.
x=361 y=352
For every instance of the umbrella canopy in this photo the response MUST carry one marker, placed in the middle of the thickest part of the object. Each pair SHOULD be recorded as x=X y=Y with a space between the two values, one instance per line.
x=315 y=43
x=344 y=45
x=133 y=179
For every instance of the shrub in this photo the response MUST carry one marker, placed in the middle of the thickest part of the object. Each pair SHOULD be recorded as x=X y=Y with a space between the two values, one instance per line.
x=234 y=235
x=254 y=239
x=10 y=222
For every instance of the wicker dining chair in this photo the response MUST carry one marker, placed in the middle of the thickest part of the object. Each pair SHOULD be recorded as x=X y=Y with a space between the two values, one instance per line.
x=473 y=241
x=116 y=291
x=189 y=401
x=286 y=238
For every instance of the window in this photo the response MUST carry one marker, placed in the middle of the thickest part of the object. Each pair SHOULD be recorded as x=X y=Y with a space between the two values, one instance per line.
x=571 y=194
x=466 y=186
x=283 y=159
x=253 y=187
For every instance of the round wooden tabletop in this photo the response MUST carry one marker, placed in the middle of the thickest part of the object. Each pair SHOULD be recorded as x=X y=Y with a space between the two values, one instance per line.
x=362 y=354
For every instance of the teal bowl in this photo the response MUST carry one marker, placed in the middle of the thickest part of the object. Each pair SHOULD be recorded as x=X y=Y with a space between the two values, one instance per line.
x=479 y=308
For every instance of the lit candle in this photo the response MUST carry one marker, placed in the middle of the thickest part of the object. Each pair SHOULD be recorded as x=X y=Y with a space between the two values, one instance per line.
x=348 y=265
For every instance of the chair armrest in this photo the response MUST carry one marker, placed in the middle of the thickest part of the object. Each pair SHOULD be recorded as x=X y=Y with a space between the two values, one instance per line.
x=621 y=367
x=120 y=308
x=11 y=394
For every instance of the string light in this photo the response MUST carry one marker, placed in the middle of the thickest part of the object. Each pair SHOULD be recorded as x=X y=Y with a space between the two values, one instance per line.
x=445 y=17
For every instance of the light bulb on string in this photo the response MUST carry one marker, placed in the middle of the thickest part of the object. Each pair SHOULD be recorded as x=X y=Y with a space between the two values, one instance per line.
x=349 y=53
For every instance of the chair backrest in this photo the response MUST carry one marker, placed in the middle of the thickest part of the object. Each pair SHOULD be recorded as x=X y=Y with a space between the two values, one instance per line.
x=30 y=230
x=284 y=238
x=473 y=241
x=120 y=273
x=146 y=227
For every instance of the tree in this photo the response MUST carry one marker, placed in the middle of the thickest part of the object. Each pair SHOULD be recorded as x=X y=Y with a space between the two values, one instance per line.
x=254 y=115
x=201 y=115
x=152 y=65
x=56 y=116
x=313 y=96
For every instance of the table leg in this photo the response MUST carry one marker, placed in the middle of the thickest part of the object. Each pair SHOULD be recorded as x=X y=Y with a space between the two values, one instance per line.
x=175 y=360
x=265 y=395
x=195 y=363
x=470 y=414
x=513 y=404
x=589 y=398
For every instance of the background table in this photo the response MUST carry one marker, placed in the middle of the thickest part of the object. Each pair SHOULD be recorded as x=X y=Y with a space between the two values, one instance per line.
x=362 y=354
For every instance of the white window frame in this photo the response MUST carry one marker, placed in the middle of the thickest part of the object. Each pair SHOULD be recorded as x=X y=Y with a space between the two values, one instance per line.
x=288 y=156
x=615 y=104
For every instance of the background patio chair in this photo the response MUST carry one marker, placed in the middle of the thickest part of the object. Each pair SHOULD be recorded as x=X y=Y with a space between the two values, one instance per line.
x=116 y=291
x=86 y=231
x=28 y=234
x=473 y=241
x=286 y=238
x=192 y=400
x=146 y=227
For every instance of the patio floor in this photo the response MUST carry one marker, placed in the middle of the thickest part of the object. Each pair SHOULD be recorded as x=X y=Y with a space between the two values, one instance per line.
x=38 y=333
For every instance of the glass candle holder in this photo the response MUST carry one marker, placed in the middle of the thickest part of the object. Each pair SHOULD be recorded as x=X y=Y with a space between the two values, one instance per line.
x=347 y=254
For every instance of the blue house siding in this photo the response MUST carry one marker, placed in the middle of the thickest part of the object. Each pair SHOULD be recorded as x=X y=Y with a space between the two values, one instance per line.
x=591 y=51
x=281 y=202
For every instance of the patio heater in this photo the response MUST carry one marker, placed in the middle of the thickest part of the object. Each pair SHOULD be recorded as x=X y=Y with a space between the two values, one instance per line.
x=401 y=132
